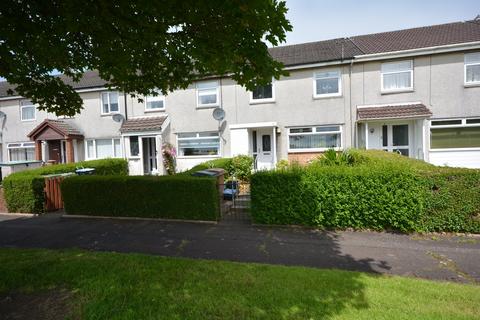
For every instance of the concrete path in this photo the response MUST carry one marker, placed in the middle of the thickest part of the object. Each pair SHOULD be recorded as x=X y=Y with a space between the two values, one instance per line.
x=431 y=257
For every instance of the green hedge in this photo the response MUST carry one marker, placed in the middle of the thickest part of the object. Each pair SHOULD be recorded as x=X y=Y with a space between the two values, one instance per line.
x=239 y=166
x=24 y=191
x=383 y=192
x=174 y=197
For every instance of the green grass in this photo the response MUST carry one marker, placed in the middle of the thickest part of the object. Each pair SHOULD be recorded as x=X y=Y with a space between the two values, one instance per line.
x=133 y=286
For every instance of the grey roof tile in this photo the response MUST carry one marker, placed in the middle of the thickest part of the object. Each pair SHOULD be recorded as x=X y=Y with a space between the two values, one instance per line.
x=143 y=124
x=397 y=111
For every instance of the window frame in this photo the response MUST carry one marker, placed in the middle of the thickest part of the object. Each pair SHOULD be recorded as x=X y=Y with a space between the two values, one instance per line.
x=197 y=137
x=327 y=95
x=198 y=94
x=465 y=65
x=463 y=124
x=264 y=100
x=87 y=157
x=20 y=145
x=406 y=89
x=28 y=106
x=110 y=112
x=314 y=132
x=159 y=97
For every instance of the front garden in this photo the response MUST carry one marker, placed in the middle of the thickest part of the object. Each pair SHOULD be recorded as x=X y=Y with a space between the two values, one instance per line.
x=369 y=190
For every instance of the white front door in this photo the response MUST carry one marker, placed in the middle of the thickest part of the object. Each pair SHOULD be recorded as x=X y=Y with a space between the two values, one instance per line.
x=149 y=155
x=395 y=138
x=263 y=148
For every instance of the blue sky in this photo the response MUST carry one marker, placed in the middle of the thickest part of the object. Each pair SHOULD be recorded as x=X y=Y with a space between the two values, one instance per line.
x=315 y=20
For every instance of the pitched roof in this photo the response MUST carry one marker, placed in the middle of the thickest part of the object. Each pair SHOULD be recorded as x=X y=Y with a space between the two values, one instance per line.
x=415 y=38
x=90 y=79
x=60 y=126
x=312 y=52
x=143 y=124
x=338 y=49
x=396 y=111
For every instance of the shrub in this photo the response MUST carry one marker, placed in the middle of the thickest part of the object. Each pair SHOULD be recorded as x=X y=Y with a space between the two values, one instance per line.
x=239 y=166
x=175 y=197
x=378 y=190
x=24 y=191
x=282 y=165
x=169 y=158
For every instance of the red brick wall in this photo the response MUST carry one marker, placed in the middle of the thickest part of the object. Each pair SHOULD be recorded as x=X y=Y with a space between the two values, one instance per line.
x=303 y=157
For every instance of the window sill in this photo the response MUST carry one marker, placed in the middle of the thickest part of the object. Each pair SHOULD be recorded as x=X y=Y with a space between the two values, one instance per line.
x=327 y=96
x=213 y=106
x=262 y=101
x=471 y=85
x=198 y=157
x=109 y=114
x=153 y=110
x=313 y=150
x=29 y=120
x=397 y=91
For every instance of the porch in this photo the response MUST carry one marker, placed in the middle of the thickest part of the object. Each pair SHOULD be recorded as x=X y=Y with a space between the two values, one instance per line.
x=400 y=128
x=258 y=140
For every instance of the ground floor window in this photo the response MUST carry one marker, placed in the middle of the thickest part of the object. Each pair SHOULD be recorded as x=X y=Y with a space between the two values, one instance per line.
x=455 y=134
x=316 y=138
x=21 y=151
x=103 y=148
x=198 y=144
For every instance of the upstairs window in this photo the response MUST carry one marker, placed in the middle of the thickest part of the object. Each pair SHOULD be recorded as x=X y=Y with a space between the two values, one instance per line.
x=327 y=84
x=263 y=94
x=472 y=68
x=109 y=102
x=207 y=94
x=198 y=144
x=397 y=76
x=155 y=103
x=27 y=110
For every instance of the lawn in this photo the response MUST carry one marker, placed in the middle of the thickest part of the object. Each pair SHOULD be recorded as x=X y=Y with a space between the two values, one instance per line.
x=133 y=286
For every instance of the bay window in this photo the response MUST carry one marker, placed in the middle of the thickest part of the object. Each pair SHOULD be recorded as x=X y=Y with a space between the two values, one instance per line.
x=455 y=134
x=397 y=76
x=103 y=148
x=327 y=84
x=21 y=151
x=318 y=138
x=472 y=68
x=198 y=144
x=207 y=94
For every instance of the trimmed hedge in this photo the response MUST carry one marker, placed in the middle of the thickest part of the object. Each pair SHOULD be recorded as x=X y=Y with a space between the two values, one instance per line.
x=24 y=191
x=383 y=192
x=174 y=197
x=239 y=166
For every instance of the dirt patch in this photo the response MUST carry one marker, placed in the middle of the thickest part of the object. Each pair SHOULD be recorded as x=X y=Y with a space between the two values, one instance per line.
x=44 y=305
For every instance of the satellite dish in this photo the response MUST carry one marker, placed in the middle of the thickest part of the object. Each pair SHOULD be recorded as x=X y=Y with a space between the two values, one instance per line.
x=118 y=117
x=218 y=114
x=222 y=126
x=2 y=114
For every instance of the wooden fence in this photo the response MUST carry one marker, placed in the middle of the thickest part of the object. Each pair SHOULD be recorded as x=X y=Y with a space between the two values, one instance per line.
x=53 y=195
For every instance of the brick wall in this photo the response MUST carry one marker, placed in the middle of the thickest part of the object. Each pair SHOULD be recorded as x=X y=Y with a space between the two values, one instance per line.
x=302 y=158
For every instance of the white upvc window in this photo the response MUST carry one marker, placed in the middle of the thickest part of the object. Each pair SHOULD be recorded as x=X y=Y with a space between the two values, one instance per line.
x=397 y=76
x=318 y=138
x=110 y=102
x=103 y=148
x=21 y=151
x=208 y=94
x=263 y=94
x=451 y=134
x=155 y=103
x=27 y=110
x=327 y=84
x=198 y=144
x=472 y=68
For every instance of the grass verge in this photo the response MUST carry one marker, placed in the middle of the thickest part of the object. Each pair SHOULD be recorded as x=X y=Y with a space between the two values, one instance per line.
x=134 y=286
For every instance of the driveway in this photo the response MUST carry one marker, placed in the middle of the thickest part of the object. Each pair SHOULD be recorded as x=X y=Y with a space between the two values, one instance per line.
x=431 y=257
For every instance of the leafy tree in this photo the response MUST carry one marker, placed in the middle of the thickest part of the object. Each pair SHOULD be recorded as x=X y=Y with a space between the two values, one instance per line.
x=135 y=45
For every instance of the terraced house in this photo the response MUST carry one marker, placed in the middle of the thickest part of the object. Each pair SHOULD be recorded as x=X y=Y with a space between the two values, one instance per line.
x=415 y=91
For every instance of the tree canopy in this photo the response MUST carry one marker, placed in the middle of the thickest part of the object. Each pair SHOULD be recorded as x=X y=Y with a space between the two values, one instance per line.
x=137 y=46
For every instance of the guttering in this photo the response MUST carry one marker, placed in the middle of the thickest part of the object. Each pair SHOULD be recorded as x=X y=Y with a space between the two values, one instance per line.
x=319 y=64
x=77 y=90
x=419 y=52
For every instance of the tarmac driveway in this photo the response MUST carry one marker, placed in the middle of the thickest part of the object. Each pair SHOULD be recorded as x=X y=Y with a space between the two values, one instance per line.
x=455 y=258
